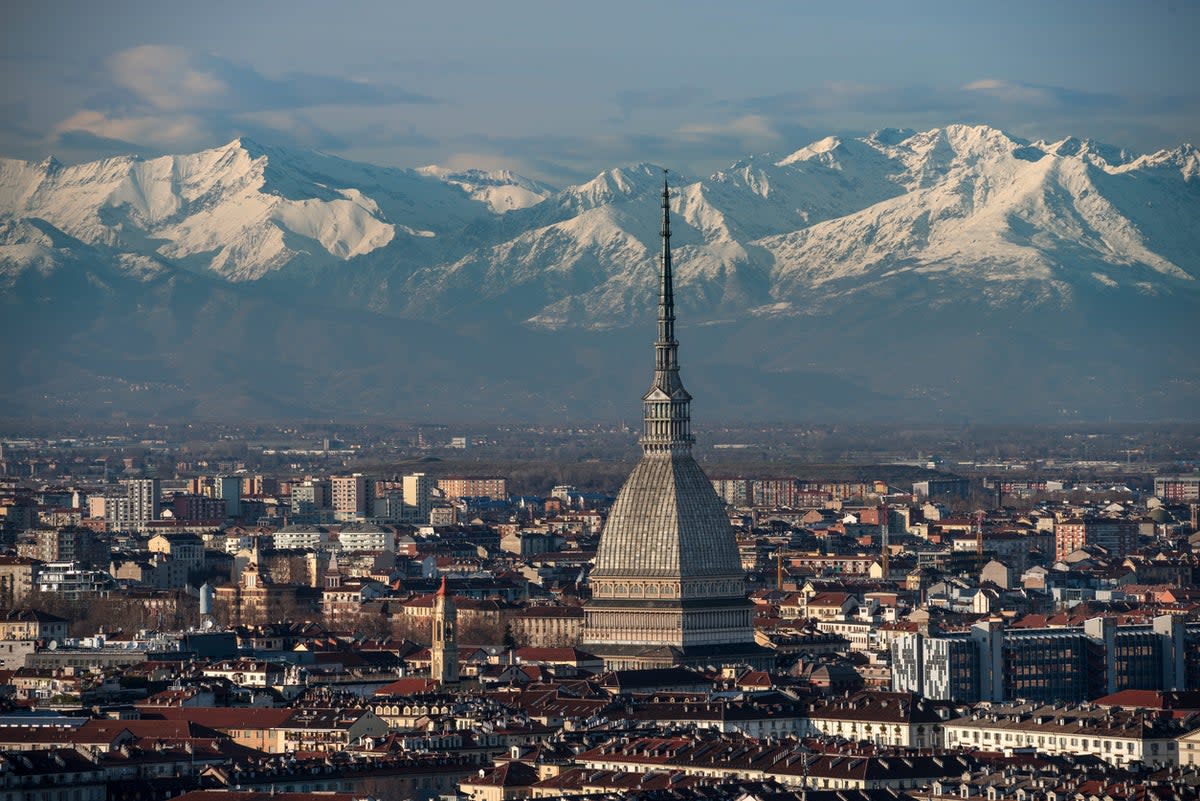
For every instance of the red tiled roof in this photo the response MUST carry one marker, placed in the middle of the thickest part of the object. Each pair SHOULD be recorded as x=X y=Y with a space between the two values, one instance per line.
x=409 y=686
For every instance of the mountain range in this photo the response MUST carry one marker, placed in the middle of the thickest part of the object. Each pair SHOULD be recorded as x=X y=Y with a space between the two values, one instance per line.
x=958 y=273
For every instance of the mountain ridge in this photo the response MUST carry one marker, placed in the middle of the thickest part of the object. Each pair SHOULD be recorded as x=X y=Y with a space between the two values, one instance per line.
x=861 y=249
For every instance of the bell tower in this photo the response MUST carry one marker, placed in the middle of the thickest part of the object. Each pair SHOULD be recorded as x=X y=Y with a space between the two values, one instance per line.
x=443 y=667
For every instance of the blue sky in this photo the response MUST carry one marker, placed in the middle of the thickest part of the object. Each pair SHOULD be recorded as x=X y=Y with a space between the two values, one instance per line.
x=562 y=90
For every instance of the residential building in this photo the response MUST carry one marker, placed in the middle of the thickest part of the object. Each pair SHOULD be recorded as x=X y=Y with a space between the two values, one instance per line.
x=185 y=548
x=113 y=509
x=354 y=537
x=1178 y=489
x=191 y=507
x=418 y=498
x=229 y=489
x=17 y=575
x=300 y=536
x=1117 y=736
x=145 y=502
x=455 y=487
x=32 y=624
x=310 y=496
x=1115 y=535
x=73 y=582
x=350 y=497
x=899 y=719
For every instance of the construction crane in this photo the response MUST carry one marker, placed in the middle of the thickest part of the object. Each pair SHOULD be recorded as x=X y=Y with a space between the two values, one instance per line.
x=883 y=540
x=780 y=553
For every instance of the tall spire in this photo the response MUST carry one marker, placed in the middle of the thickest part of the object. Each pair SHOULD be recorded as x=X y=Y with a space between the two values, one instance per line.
x=666 y=405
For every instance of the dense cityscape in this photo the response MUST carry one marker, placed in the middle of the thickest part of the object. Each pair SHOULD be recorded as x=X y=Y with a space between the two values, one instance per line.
x=262 y=614
x=191 y=618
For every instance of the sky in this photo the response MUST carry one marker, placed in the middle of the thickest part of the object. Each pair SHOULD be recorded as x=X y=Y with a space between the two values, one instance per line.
x=562 y=90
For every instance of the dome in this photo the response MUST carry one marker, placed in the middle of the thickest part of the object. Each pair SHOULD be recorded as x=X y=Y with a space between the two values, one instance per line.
x=668 y=522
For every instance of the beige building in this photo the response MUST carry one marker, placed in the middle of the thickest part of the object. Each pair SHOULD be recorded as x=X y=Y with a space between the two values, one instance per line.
x=548 y=626
x=882 y=718
x=17 y=575
x=326 y=730
x=185 y=548
x=31 y=624
x=1189 y=749
x=456 y=487
x=350 y=498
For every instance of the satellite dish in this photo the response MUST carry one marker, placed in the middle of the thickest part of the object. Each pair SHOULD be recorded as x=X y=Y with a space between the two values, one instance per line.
x=53 y=645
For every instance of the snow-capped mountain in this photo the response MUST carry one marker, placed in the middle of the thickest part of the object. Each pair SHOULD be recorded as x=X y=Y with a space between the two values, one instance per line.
x=240 y=211
x=501 y=190
x=964 y=244
x=1020 y=221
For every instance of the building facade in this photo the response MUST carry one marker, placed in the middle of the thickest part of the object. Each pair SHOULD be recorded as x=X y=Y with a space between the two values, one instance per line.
x=1116 y=536
x=455 y=487
x=145 y=500
x=350 y=497
x=992 y=663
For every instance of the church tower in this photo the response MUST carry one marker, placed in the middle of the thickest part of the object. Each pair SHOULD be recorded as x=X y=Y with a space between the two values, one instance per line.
x=668 y=586
x=443 y=667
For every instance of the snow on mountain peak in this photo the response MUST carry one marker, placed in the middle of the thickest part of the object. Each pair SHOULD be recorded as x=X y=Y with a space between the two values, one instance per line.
x=243 y=209
x=967 y=201
x=501 y=190
x=821 y=150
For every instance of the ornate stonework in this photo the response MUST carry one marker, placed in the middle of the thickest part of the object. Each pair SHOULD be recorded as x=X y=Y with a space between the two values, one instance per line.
x=668 y=586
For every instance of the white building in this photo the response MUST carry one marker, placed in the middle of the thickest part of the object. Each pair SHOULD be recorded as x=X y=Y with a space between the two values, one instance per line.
x=144 y=496
x=366 y=537
x=1117 y=736
x=300 y=537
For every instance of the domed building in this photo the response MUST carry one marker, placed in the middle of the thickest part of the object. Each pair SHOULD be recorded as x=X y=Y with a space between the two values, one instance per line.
x=668 y=587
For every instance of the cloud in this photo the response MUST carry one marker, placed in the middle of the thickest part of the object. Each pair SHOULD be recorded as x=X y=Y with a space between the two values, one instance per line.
x=1037 y=96
x=176 y=79
x=156 y=98
x=173 y=128
x=750 y=126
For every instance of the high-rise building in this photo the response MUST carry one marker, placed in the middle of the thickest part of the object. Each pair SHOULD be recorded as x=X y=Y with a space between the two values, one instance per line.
x=309 y=496
x=418 y=498
x=443 y=666
x=229 y=489
x=144 y=499
x=112 y=508
x=668 y=586
x=350 y=498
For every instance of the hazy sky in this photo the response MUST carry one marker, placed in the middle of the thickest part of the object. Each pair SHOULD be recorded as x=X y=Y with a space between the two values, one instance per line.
x=561 y=90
